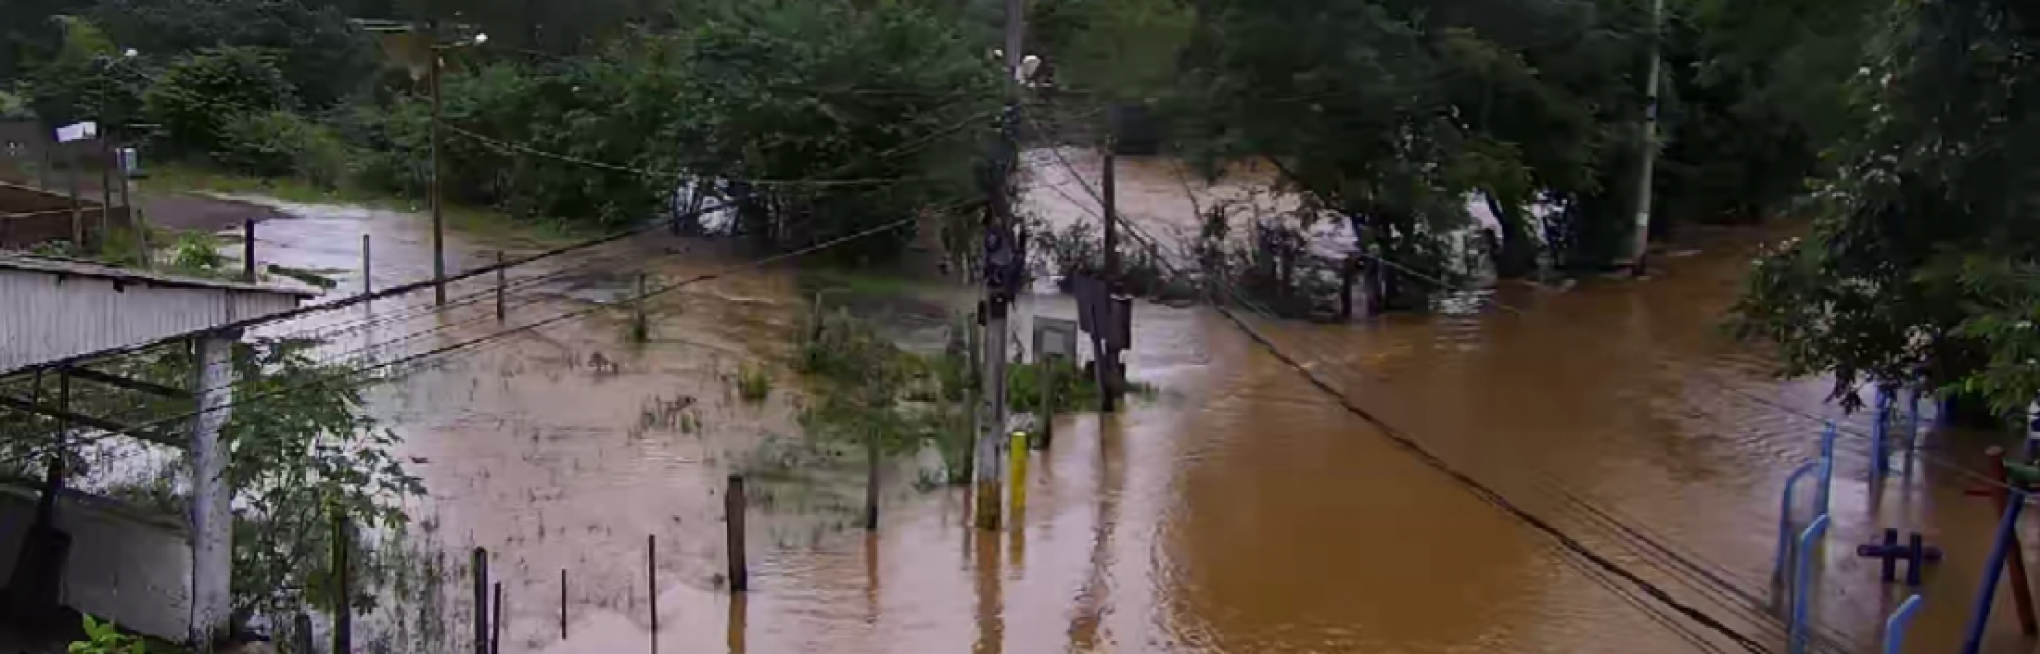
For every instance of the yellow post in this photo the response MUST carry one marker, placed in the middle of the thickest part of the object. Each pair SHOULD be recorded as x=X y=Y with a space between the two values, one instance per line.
x=1018 y=455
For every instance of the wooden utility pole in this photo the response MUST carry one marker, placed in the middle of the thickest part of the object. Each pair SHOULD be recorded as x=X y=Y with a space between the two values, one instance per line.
x=77 y=212
x=438 y=220
x=105 y=186
x=1649 y=146
x=1107 y=355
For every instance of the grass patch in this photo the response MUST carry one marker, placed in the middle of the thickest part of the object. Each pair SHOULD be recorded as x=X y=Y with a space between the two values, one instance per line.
x=753 y=383
x=861 y=282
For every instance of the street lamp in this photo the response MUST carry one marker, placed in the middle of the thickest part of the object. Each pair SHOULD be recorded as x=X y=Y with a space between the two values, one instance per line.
x=438 y=216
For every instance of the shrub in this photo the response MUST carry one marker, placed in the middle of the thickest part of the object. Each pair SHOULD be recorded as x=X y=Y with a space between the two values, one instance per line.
x=279 y=143
x=753 y=383
x=202 y=93
x=105 y=638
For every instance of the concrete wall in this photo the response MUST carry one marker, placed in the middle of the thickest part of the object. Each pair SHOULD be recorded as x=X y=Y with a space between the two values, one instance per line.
x=125 y=564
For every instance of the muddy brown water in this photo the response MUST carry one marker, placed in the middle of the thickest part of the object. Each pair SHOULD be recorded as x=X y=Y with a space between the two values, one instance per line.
x=1240 y=510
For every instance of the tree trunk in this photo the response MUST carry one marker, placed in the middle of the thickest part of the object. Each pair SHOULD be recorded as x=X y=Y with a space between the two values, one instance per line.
x=1518 y=254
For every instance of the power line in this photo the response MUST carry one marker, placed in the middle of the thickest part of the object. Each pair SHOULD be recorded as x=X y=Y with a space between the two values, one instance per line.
x=345 y=375
x=1475 y=487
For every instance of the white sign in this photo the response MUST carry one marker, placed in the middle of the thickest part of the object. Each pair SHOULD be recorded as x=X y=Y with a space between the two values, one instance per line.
x=77 y=132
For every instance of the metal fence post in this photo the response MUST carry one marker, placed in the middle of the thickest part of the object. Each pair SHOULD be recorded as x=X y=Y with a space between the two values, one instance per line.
x=1783 y=558
x=1894 y=626
x=1827 y=469
x=1803 y=580
x=1986 y=592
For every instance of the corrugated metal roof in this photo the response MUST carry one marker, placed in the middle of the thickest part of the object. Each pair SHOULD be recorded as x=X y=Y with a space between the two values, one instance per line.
x=58 y=266
x=51 y=309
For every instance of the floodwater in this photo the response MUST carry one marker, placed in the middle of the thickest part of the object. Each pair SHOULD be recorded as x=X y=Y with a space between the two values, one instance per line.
x=1239 y=510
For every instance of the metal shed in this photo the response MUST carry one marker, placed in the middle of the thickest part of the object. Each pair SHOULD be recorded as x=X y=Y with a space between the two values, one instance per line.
x=51 y=309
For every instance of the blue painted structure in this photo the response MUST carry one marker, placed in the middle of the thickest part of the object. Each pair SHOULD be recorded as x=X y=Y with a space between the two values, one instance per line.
x=1827 y=469
x=1894 y=626
x=1912 y=420
x=1880 y=434
x=1986 y=592
x=1802 y=581
x=1778 y=569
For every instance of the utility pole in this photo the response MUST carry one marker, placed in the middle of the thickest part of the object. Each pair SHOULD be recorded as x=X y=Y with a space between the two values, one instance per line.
x=1001 y=266
x=1649 y=145
x=438 y=221
x=1107 y=355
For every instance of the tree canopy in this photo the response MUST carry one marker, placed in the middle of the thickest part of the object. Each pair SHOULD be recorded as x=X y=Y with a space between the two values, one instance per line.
x=1921 y=265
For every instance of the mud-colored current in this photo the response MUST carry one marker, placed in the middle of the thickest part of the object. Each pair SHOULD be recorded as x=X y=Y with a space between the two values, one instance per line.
x=1240 y=510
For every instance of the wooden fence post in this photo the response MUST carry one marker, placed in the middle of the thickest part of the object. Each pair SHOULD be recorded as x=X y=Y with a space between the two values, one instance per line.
x=248 y=250
x=733 y=522
x=367 y=277
x=496 y=622
x=343 y=612
x=871 y=457
x=481 y=570
x=1045 y=432
x=499 y=286
x=652 y=583
x=301 y=634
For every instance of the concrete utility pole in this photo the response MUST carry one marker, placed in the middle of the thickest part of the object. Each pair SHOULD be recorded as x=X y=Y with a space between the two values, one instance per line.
x=212 y=527
x=1000 y=250
x=1649 y=145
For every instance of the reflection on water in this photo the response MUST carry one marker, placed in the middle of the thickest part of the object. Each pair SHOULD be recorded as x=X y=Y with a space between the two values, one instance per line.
x=1240 y=511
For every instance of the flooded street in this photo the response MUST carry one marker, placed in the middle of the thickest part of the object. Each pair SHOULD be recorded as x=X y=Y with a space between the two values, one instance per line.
x=1239 y=510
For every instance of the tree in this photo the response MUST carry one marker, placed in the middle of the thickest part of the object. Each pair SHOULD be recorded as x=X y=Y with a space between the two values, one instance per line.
x=303 y=449
x=1921 y=263
x=890 y=94
x=201 y=93
x=1123 y=52
x=312 y=45
x=88 y=79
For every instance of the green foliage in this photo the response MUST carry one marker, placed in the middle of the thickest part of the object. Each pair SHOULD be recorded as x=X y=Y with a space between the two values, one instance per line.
x=312 y=451
x=198 y=254
x=87 y=79
x=1124 y=51
x=1919 y=265
x=200 y=95
x=314 y=47
x=1074 y=390
x=827 y=90
x=304 y=448
x=282 y=144
x=861 y=386
x=106 y=638
x=13 y=106
x=754 y=383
